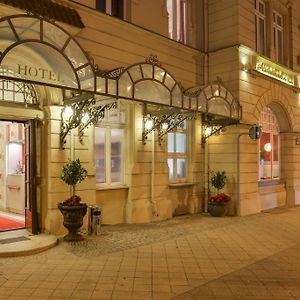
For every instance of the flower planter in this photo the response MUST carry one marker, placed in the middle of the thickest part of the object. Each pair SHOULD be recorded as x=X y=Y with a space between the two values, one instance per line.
x=217 y=209
x=73 y=220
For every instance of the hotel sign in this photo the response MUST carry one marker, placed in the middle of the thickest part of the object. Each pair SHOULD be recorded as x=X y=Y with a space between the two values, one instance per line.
x=275 y=71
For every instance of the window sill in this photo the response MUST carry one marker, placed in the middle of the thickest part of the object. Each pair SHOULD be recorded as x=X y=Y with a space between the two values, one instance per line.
x=117 y=187
x=179 y=185
x=270 y=182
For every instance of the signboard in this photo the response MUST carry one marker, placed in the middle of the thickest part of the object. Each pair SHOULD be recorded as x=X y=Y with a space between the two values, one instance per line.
x=273 y=70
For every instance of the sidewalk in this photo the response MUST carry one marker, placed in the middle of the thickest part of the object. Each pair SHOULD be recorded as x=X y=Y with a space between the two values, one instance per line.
x=194 y=257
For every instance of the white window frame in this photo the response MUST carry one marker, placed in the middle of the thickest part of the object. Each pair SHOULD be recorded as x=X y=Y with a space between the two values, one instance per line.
x=177 y=155
x=108 y=126
x=272 y=128
x=277 y=28
x=259 y=16
x=178 y=29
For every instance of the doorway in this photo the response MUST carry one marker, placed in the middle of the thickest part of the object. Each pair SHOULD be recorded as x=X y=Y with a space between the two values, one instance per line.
x=12 y=175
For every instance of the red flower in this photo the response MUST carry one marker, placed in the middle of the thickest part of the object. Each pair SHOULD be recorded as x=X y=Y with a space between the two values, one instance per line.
x=220 y=198
x=72 y=201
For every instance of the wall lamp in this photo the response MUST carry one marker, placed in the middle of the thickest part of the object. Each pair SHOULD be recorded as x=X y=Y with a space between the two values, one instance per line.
x=210 y=130
x=80 y=112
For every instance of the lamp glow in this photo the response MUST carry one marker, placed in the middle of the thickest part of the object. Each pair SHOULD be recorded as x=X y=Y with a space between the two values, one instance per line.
x=85 y=118
x=208 y=131
x=164 y=126
x=68 y=112
x=149 y=124
x=268 y=147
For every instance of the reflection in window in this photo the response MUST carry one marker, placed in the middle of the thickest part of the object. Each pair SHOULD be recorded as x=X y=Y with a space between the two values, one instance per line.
x=269 y=146
x=177 y=11
x=278 y=36
x=111 y=7
x=109 y=149
x=177 y=153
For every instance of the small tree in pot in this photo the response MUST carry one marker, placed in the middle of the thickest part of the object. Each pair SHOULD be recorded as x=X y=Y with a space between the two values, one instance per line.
x=217 y=205
x=72 y=210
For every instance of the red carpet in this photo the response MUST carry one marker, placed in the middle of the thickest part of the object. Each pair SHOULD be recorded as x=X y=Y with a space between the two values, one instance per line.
x=6 y=224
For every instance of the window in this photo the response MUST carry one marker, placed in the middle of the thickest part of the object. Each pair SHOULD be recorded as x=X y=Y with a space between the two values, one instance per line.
x=112 y=7
x=260 y=27
x=278 y=36
x=109 y=149
x=269 y=146
x=177 y=10
x=177 y=153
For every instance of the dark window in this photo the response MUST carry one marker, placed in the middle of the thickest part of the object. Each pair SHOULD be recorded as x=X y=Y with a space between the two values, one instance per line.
x=112 y=7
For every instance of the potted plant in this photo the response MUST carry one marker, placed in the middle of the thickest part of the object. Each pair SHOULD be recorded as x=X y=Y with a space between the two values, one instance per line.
x=217 y=205
x=72 y=210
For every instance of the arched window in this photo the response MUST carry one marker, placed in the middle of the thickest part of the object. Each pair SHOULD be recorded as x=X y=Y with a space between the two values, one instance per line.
x=269 y=146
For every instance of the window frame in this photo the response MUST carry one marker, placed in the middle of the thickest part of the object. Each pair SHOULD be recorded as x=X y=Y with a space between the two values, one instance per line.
x=109 y=126
x=272 y=133
x=108 y=8
x=178 y=155
x=276 y=29
x=261 y=49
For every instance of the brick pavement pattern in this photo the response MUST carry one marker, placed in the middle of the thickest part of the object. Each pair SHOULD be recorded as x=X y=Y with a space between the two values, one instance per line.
x=192 y=257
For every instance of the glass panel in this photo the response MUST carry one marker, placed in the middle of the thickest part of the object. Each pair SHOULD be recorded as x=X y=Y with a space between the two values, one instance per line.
x=27 y=28
x=169 y=81
x=46 y=65
x=261 y=8
x=159 y=73
x=100 y=154
x=219 y=106
x=152 y=91
x=202 y=102
x=223 y=92
x=180 y=142
x=261 y=36
x=100 y=85
x=117 y=137
x=86 y=77
x=135 y=73
x=171 y=147
x=7 y=37
x=112 y=86
x=171 y=168
x=208 y=92
x=215 y=89
x=147 y=70
x=75 y=54
x=53 y=35
x=275 y=147
x=186 y=102
x=177 y=97
x=194 y=103
x=265 y=156
x=181 y=168
x=235 y=110
x=125 y=86
x=280 y=47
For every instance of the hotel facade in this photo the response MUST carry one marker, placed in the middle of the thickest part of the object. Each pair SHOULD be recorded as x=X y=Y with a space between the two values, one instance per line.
x=151 y=96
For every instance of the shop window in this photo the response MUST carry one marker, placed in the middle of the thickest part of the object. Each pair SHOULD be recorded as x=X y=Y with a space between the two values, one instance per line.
x=260 y=27
x=112 y=7
x=178 y=17
x=278 y=36
x=109 y=149
x=269 y=146
x=177 y=154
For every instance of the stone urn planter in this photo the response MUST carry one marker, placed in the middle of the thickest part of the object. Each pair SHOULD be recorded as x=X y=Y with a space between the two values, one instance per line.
x=72 y=210
x=73 y=220
x=217 y=209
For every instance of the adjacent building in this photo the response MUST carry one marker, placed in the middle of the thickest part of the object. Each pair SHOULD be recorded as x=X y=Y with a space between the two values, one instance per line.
x=151 y=96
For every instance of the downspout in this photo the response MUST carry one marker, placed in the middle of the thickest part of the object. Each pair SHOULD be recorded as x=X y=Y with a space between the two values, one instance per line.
x=206 y=76
x=152 y=198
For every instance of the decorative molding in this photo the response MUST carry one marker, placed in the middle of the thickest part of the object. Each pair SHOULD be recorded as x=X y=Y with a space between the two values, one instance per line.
x=152 y=59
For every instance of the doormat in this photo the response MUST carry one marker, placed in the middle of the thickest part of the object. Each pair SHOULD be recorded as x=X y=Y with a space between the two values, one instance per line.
x=14 y=240
x=7 y=224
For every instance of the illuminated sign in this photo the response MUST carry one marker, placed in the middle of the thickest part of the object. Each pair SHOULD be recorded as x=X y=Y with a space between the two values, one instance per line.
x=271 y=70
x=39 y=73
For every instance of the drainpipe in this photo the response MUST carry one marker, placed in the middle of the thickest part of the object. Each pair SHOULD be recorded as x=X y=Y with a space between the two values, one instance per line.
x=152 y=198
x=206 y=75
x=238 y=200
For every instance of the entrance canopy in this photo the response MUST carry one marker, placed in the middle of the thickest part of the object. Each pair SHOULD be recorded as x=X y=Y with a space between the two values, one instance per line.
x=38 y=51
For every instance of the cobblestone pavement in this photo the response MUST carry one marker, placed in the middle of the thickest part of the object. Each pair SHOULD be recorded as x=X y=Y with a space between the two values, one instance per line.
x=192 y=257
